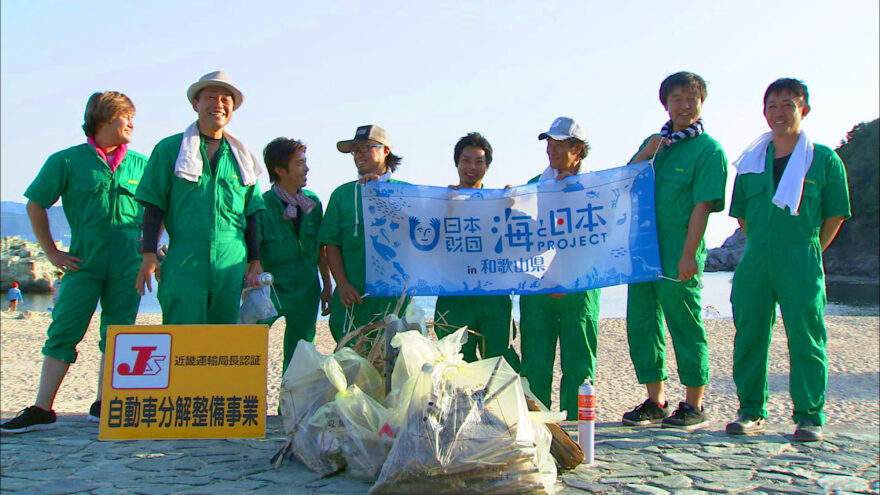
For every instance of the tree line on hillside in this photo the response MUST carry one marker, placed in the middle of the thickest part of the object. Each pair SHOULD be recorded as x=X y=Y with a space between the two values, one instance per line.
x=860 y=151
x=855 y=251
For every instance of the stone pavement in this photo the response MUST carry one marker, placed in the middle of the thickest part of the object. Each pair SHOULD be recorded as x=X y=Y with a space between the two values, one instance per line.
x=660 y=460
x=69 y=460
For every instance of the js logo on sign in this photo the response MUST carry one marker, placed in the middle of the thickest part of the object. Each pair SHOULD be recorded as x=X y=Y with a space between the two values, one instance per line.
x=140 y=361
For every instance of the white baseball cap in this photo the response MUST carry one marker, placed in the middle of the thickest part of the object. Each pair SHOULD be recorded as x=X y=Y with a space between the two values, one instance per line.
x=564 y=128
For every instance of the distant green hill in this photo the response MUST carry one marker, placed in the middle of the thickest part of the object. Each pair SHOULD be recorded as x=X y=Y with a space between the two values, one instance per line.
x=855 y=251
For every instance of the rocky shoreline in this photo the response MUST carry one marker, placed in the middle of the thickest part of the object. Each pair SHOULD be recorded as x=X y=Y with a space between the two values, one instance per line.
x=840 y=263
x=25 y=262
x=727 y=256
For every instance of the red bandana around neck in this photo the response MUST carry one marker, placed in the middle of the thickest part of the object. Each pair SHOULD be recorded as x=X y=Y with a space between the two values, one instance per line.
x=114 y=158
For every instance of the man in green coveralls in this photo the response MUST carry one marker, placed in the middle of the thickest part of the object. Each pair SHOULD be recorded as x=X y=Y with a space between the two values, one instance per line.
x=342 y=232
x=690 y=170
x=202 y=185
x=790 y=198
x=571 y=318
x=96 y=182
x=487 y=317
x=289 y=243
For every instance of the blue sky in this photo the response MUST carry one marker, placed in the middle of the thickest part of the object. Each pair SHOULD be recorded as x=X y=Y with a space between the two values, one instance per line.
x=429 y=73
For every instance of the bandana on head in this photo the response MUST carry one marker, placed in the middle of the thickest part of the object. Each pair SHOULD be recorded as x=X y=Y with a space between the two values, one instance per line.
x=690 y=131
x=292 y=201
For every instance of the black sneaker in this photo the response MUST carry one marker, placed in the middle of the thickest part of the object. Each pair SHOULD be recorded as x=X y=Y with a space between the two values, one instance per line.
x=807 y=431
x=95 y=412
x=686 y=418
x=648 y=412
x=31 y=419
x=745 y=424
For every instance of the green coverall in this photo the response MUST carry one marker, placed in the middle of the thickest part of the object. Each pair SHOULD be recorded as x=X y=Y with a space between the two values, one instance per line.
x=487 y=315
x=105 y=223
x=783 y=263
x=203 y=272
x=343 y=226
x=572 y=319
x=688 y=172
x=292 y=258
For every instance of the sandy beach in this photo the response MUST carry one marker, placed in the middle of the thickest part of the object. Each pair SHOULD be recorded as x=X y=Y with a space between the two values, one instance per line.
x=853 y=383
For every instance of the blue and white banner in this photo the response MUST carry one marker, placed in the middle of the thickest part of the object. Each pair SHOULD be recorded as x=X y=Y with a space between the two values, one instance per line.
x=583 y=232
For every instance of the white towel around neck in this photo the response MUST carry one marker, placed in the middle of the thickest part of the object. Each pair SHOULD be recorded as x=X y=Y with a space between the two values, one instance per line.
x=791 y=185
x=552 y=173
x=189 y=165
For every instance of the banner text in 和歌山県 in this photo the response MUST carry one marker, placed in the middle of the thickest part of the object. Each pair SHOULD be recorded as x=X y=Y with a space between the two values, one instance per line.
x=586 y=231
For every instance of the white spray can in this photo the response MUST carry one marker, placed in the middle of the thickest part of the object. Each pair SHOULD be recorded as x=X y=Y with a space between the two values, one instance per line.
x=587 y=420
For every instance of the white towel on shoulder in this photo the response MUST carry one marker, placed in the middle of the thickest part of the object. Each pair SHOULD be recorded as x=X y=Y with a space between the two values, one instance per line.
x=188 y=164
x=791 y=185
x=552 y=173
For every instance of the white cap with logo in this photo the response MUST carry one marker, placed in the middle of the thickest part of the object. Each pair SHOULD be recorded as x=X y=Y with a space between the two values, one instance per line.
x=564 y=128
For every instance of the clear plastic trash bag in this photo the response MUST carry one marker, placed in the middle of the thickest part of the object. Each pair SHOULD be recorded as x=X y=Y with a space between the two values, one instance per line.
x=306 y=386
x=316 y=442
x=256 y=305
x=365 y=439
x=309 y=415
x=467 y=429
x=416 y=350
x=344 y=433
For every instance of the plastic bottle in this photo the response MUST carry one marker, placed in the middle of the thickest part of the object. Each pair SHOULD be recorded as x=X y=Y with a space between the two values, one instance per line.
x=263 y=280
x=266 y=278
x=587 y=420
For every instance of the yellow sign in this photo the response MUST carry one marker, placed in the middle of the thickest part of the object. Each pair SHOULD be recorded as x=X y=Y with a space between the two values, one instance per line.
x=185 y=381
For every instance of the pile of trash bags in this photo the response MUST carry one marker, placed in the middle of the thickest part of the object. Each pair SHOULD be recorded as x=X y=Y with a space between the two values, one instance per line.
x=445 y=425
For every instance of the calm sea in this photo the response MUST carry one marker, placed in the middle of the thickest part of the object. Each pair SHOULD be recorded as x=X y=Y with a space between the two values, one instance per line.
x=844 y=299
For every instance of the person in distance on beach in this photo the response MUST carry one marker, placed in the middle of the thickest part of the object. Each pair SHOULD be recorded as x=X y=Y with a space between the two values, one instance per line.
x=573 y=318
x=96 y=181
x=488 y=316
x=342 y=231
x=790 y=198
x=13 y=295
x=56 y=287
x=202 y=184
x=289 y=243
x=690 y=170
